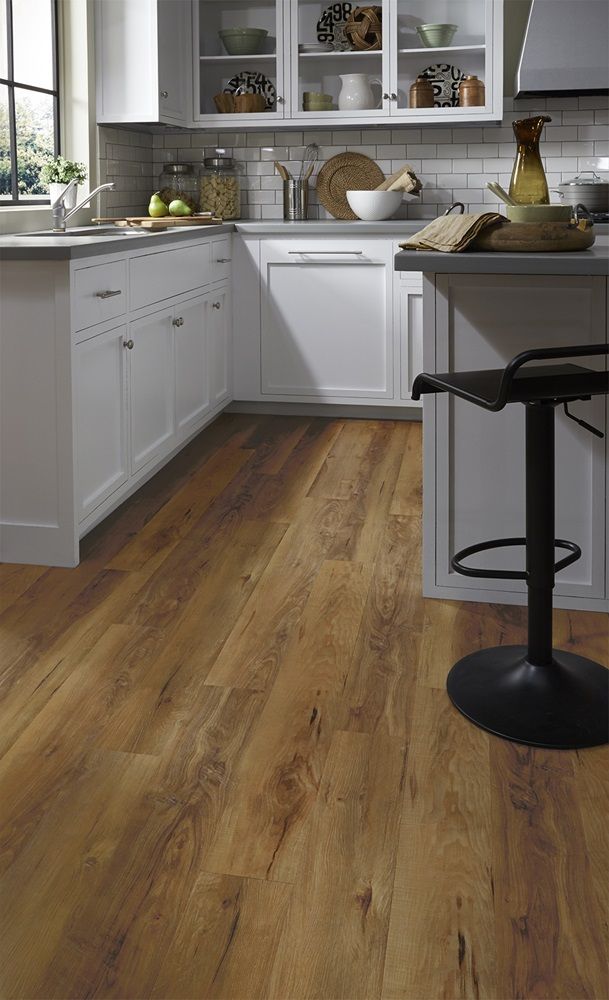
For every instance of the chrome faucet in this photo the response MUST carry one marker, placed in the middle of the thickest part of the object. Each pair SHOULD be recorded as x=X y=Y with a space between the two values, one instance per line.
x=60 y=216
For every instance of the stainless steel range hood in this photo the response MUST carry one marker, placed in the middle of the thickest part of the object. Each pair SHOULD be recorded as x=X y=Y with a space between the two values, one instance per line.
x=565 y=49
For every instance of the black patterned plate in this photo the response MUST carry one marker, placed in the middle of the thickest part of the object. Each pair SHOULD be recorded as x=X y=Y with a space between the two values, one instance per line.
x=331 y=26
x=445 y=80
x=252 y=82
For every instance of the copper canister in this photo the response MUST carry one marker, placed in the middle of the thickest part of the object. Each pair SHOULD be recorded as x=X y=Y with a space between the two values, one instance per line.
x=471 y=93
x=421 y=93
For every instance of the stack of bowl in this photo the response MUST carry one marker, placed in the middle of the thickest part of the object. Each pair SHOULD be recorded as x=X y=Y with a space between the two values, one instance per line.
x=313 y=100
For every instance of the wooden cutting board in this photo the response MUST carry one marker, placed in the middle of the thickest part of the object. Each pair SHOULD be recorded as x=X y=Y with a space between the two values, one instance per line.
x=534 y=237
x=146 y=222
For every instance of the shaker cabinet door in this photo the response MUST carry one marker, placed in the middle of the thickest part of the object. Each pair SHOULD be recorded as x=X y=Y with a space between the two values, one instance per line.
x=219 y=345
x=152 y=387
x=101 y=418
x=192 y=322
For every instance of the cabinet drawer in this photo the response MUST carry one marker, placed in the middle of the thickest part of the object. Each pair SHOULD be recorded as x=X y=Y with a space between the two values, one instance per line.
x=221 y=259
x=158 y=276
x=100 y=293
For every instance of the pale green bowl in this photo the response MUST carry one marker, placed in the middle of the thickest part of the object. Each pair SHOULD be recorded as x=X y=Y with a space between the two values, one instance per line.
x=243 y=41
x=436 y=36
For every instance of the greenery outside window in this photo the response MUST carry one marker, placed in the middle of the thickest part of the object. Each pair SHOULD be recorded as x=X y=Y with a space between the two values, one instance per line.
x=29 y=98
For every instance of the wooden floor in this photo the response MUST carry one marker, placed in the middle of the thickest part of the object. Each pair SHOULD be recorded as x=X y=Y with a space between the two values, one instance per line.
x=229 y=767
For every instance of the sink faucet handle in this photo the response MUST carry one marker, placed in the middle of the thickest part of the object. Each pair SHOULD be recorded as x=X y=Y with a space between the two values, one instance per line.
x=60 y=200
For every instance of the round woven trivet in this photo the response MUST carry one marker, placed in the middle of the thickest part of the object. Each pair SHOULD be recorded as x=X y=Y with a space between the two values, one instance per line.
x=346 y=172
x=364 y=28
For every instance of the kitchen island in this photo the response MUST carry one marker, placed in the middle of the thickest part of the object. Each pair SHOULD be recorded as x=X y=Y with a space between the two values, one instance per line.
x=479 y=310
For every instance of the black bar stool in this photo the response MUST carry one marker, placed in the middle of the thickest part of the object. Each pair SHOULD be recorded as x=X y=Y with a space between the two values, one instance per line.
x=531 y=694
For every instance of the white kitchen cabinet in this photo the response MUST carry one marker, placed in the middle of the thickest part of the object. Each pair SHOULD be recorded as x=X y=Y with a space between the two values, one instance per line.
x=151 y=387
x=219 y=326
x=477 y=48
x=100 y=380
x=192 y=349
x=326 y=319
x=408 y=312
x=143 y=66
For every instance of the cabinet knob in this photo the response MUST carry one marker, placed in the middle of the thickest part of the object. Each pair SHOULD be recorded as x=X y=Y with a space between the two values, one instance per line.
x=164 y=94
x=385 y=97
x=394 y=97
x=216 y=305
x=179 y=321
x=280 y=100
x=128 y=344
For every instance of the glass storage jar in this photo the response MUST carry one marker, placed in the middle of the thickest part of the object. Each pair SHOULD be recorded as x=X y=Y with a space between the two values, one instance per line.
x=179 y=180
x=219 y=188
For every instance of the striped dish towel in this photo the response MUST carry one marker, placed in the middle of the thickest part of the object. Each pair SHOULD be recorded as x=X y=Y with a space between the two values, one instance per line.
x=452 y=233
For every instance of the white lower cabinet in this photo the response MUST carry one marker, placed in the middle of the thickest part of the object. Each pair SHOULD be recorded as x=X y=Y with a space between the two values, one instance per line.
x=192 y=348
x=101 y=417
x=326 y=319
x=219 y=326
x=151 y=387
x=408 y=310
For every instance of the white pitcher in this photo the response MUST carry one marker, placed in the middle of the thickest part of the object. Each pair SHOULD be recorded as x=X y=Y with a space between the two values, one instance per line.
x=356 y=92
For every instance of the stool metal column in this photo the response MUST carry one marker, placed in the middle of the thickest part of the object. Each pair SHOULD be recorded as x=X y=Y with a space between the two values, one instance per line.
x=531 y=694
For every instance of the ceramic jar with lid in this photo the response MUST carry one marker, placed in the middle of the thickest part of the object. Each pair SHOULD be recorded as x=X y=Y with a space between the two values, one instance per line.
x=219 y=188
x=471 y=93
x=421 y=93
x=179 y=181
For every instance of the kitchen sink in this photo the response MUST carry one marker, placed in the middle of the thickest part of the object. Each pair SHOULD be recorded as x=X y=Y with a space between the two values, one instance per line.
x=87 y=233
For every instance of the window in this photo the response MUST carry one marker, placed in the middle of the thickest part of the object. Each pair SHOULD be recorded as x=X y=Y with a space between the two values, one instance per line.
x=29 y=118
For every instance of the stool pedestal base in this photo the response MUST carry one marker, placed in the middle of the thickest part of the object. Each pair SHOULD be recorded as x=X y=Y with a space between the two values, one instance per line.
x=562 y=706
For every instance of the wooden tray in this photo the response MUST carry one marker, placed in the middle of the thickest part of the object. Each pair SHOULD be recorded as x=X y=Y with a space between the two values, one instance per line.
x=535 y=237
x=146 y=222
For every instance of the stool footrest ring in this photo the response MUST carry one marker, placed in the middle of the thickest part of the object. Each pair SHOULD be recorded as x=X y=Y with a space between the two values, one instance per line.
x=505 y=574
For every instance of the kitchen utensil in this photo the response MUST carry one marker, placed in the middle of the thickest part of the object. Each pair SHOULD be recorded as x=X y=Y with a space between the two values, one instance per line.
x=445 y=80
x=282 y=171
x=528 y=184
x=471 y=93
x=500 y=192
x=436 y=36
x=421 y=93
x=243 y=41
x=308 y=172
x=364 y=29
x=536 y=237
x=356 y=92
x=309 y=159
x=538 y=213
x=372 y=206
x=346 y=172
x=249 y=104
x=295 y=199
x=593 y=192
x=252 y=82
x=331 y=26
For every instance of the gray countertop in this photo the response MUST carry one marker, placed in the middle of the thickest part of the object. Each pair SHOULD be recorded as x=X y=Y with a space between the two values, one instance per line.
x=72 y=247
x=595 y=260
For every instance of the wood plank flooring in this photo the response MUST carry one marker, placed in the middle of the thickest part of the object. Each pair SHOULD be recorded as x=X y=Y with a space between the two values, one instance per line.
x=229 y=768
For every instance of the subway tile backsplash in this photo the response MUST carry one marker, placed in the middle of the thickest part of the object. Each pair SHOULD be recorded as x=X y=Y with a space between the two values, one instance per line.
x=453 y=164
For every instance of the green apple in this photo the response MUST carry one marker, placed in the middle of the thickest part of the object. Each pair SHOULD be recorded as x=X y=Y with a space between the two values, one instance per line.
x=178 y=207
x=157 y=207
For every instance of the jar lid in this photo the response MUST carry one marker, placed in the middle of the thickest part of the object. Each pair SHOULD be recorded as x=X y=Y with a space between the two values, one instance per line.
x=177 y=168
x=218 y=161
x=471 y=78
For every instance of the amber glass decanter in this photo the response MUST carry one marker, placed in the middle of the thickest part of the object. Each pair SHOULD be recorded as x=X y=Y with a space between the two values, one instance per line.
x=528 y=185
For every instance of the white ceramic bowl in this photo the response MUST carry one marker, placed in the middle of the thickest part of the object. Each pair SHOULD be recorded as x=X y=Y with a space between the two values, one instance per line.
x=373 y=206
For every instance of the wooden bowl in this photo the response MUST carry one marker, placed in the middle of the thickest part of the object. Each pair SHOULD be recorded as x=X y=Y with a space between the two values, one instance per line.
x=249 y=103
x=225 y=103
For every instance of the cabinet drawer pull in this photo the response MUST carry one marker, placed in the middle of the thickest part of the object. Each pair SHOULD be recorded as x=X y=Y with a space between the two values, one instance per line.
x=223 y=260
x=216 y=305
x=108 y=294
x=179 y=321
x=331 y=253
x=128 y=344
x=165 y=94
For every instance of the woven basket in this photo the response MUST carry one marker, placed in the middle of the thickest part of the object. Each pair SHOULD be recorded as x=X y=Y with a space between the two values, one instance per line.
x=364 y=28
x=346 y=172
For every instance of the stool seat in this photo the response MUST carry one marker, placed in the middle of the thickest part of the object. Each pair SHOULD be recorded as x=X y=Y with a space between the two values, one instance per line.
x=544 y=382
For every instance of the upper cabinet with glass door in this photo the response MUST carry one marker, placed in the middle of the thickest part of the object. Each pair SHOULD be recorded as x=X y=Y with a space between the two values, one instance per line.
x=239 y=61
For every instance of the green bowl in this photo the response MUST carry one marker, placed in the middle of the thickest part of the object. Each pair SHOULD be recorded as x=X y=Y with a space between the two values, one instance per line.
x=243 y=41
x=436 y=36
